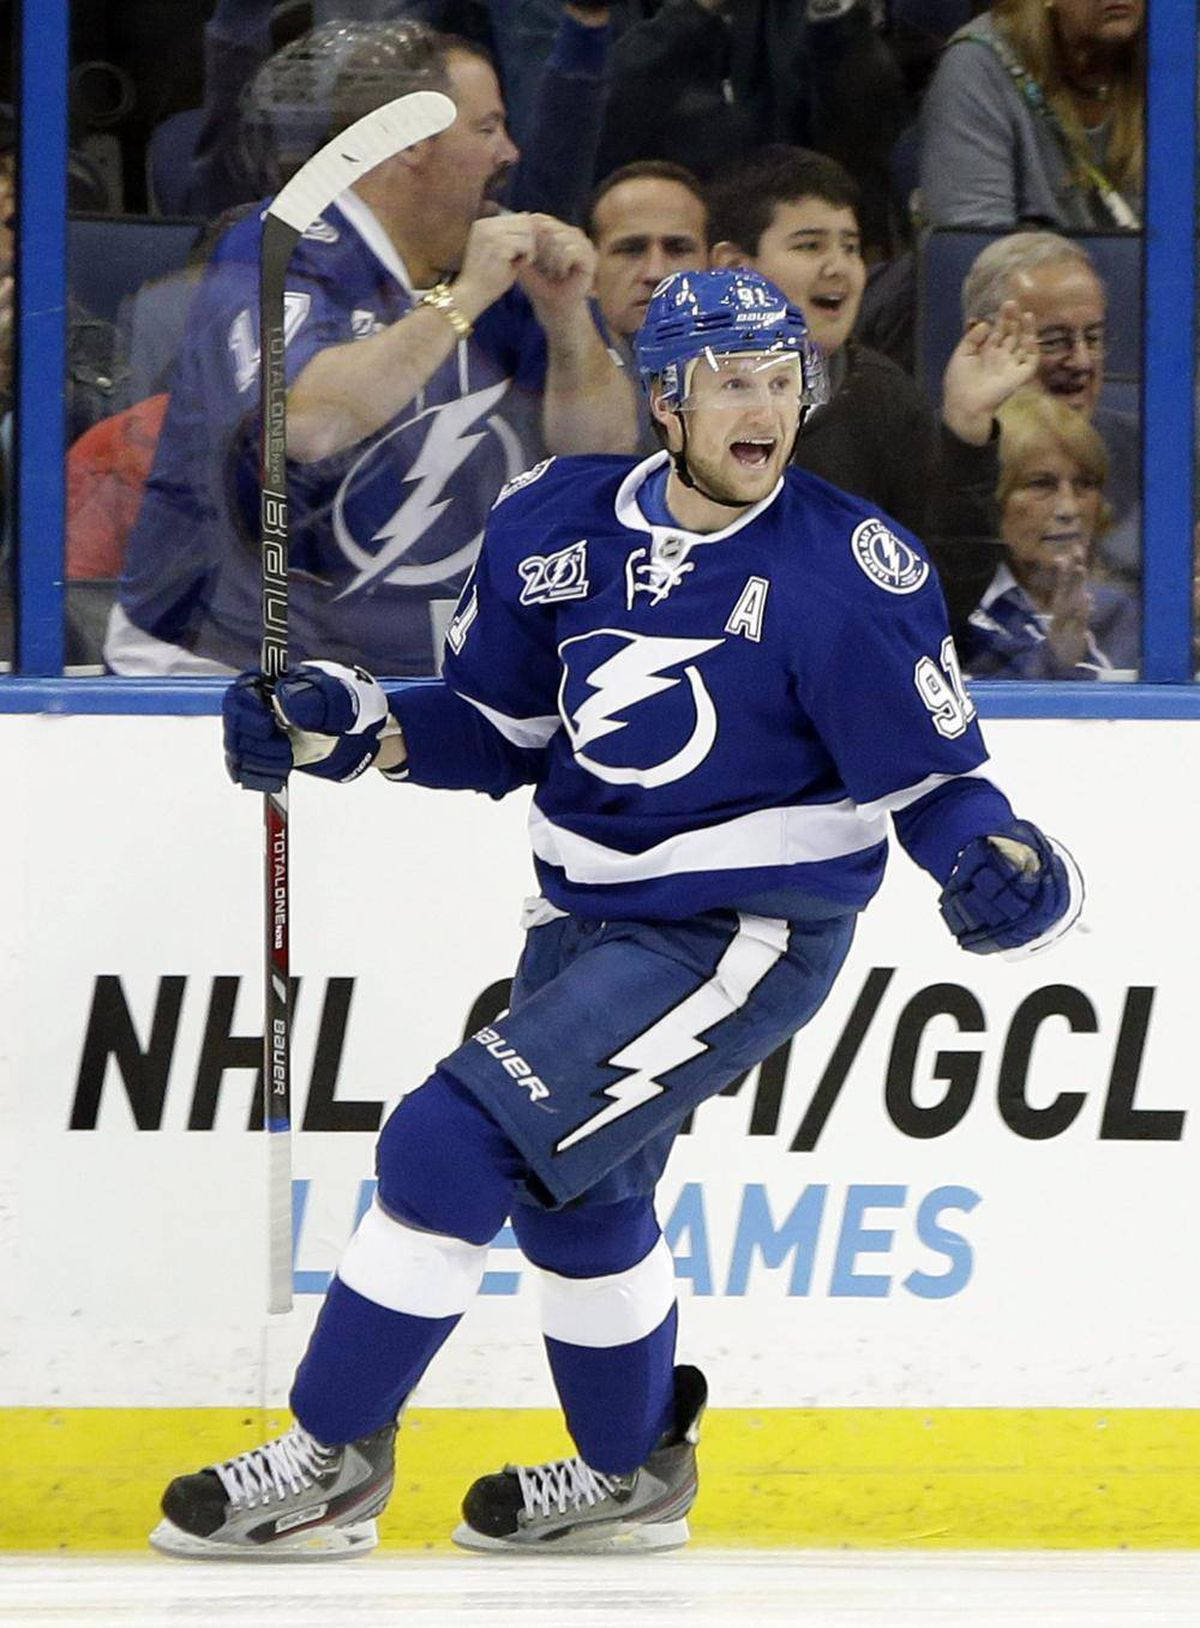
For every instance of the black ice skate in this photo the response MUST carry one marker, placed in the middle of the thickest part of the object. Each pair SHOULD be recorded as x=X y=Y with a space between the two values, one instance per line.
x=565 y=1507
x=292 y=1499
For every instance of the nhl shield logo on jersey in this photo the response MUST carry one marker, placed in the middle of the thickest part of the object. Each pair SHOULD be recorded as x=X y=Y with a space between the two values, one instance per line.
x=890 y=563
x=519 y=482
x=549 y=578
x=644 y=698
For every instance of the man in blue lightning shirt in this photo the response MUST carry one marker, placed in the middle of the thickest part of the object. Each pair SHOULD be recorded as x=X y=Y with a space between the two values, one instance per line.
x=722 y=677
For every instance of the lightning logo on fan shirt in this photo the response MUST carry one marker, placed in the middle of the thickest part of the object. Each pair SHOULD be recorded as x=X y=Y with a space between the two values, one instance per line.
x=626 y=679
x=757 y=945
x=446 y=448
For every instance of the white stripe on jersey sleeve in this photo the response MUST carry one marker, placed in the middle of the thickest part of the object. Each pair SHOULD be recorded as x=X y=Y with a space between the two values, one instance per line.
x=802 y=835
x=897 y=800
x=526 y=732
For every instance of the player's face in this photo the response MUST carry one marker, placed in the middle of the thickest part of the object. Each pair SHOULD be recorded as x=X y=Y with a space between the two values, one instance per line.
x=742 y=414
x=643 y=230
x=1050 y=516
x=468 y=164
x=812 y=252
x=1068 y=306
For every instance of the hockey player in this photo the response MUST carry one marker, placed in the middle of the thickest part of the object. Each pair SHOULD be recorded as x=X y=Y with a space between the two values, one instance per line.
x=722 y=677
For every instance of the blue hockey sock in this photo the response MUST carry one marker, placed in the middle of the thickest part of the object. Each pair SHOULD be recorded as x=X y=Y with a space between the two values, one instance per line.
x=362 y=1361
x=446 y=1174
x=618 y=1399
x=607 y=1282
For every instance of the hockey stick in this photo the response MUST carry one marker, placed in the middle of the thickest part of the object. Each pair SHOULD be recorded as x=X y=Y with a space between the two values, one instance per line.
x=382 y=133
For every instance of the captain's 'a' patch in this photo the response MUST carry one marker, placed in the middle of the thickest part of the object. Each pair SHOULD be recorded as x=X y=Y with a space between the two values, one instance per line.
x=889 y=562
x=746 y=617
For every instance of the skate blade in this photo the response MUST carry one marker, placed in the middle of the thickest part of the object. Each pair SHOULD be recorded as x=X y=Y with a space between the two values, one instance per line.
x=631 y=1539
x=325 y=1543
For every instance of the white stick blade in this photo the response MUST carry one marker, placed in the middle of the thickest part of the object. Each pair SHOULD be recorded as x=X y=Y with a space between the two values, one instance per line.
x=378 y=135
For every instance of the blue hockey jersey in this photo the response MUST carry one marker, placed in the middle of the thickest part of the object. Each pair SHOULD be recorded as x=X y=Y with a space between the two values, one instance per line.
x=710 y=720
x=382 y=536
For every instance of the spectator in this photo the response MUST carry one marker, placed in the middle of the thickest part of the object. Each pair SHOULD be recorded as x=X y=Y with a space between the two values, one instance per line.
x=565 y=116
x=1035 y=115
x=792 y=215
x=526 y=34
x=107 y=469
x=242 y=140
x=463 y=386
x=152 y=320
x=1046 y=614
x=1054 y=280
x=645 y=221
x=706 y=82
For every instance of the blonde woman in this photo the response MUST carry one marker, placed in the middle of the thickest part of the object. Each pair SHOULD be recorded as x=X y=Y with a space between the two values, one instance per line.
x=1035 y=116
x=1046 y=614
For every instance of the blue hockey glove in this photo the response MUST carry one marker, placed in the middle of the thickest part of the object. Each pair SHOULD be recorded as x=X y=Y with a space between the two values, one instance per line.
x=1010 y=890
x=258 y=754
x=334 y=716
x=324 y=719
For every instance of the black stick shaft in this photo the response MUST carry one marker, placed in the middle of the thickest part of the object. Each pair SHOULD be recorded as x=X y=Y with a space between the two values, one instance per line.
x=277 y=243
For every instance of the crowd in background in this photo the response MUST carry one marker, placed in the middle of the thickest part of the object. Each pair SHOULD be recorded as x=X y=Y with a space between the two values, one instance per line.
x=471 y=309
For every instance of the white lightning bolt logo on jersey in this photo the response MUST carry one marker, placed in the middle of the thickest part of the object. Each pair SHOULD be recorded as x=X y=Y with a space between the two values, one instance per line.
x=674 y=1038
x=634 y=674
x=446 y=447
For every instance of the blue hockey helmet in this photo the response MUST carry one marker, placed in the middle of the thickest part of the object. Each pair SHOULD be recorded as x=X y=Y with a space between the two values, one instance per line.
x=723 y=313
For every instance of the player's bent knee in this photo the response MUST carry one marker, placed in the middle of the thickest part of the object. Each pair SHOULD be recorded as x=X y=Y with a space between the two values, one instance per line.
x=444 y=1166
x=422 y=1274
x=588 y=1240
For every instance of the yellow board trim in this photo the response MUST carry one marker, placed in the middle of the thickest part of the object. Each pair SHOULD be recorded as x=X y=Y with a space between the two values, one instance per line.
x=953 y=1478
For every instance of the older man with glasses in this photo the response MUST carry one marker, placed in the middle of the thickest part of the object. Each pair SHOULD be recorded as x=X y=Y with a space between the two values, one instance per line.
x=1053 y=278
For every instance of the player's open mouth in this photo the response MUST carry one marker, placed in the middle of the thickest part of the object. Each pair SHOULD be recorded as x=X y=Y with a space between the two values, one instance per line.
x=753 y=454
x=829 y=303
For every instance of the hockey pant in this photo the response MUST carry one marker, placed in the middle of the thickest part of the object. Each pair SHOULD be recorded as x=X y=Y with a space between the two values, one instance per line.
x=573 y=1165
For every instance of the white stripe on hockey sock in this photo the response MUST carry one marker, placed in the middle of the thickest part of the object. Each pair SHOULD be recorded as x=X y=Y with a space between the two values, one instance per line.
x=425 y=1274
x=611 y=1310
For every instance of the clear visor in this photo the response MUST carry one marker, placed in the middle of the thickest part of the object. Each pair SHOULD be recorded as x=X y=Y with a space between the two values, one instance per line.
x=736 y=382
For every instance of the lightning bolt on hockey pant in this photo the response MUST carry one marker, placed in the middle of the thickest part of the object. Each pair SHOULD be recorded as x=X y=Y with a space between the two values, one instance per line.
x=561 y=1115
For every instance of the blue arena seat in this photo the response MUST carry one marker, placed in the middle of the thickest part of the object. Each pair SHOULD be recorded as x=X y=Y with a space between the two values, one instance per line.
x=944 y=258
x=110 y=256
x=169 y=160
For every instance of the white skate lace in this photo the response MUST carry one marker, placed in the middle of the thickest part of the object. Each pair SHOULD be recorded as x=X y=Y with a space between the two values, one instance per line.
x=564 y=1483
x=287 y=1465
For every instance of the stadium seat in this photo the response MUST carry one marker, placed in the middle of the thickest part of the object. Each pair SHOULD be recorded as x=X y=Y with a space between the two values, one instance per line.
x=110 y=256
x=168 y=160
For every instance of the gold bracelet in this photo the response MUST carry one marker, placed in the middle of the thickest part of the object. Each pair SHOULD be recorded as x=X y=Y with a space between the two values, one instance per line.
x=441 y=299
